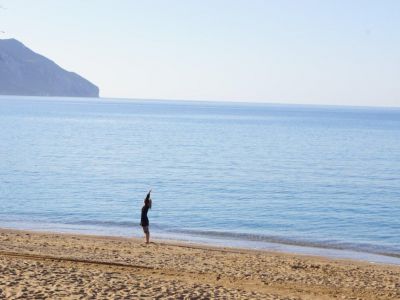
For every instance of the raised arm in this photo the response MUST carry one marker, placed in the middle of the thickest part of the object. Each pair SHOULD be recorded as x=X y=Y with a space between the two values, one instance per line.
x=148 y=196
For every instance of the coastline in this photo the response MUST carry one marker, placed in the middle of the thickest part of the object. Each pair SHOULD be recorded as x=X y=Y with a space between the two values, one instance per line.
x=219 y=240
x=282 y=246
x=43 y=264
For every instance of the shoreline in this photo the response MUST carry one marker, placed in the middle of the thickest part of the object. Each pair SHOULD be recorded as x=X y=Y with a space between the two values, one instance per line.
x=308 y=249
x=57 y=265
x=311 y=249
x=189 y=244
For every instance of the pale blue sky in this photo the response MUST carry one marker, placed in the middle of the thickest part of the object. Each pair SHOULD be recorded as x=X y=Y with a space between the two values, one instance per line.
x=321 y=51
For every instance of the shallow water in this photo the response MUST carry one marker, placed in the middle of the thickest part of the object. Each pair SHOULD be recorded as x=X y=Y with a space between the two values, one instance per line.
x=251 y=173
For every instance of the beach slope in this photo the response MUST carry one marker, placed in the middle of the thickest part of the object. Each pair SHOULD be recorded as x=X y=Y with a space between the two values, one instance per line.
x=50 y=265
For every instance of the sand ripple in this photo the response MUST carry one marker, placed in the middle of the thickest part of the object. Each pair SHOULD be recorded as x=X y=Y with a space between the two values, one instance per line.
x=54 y=266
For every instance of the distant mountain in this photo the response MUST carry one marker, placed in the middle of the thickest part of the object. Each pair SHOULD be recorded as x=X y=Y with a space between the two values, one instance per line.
x=24 y=72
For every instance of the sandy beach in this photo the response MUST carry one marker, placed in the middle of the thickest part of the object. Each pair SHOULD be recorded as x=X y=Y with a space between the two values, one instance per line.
x=51 y=265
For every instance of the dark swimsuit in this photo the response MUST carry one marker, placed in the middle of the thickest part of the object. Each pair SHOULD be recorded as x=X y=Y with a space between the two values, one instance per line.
x=144 y=221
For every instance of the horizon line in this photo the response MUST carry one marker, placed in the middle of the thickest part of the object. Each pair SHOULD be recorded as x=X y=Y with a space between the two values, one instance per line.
x=212 y=101
x=250 y=102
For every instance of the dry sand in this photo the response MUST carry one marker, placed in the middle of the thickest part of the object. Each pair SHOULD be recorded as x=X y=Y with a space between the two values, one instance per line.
x=64 y=266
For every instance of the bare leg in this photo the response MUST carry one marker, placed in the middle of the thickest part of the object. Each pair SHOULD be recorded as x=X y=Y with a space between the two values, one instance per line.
x=146 y=232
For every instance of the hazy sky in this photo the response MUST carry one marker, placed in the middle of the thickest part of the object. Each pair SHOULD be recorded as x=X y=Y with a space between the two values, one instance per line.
x=321 y=51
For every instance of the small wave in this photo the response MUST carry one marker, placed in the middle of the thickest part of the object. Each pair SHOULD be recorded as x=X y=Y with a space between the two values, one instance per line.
x=337 y=245
x=127 y=224
x=213 y=235
x=119 y=224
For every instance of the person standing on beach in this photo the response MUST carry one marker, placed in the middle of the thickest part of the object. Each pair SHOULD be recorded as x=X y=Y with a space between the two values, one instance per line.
x=144 y=220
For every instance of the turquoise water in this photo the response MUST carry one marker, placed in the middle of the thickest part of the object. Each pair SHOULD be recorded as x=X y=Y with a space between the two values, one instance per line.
x=256 y=175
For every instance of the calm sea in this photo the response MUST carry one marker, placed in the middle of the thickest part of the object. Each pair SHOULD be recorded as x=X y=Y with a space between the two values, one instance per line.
x=250 y=175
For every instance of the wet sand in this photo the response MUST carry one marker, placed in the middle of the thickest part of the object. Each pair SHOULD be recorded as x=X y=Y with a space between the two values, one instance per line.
x=64 y=266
